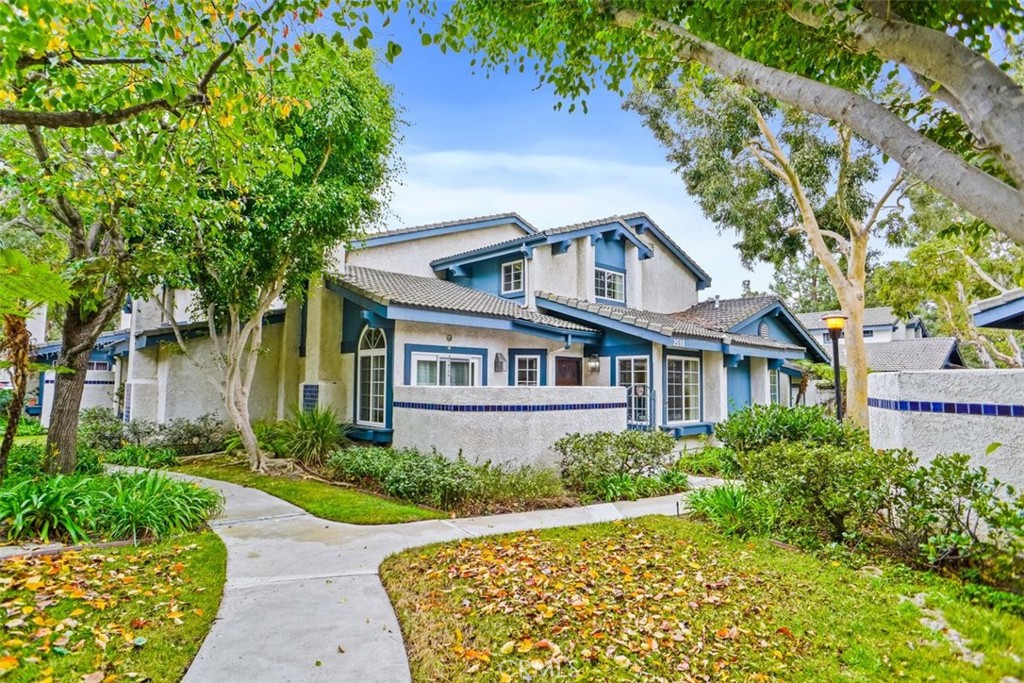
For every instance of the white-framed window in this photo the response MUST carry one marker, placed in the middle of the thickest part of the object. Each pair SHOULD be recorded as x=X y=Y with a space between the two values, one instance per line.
x=512 y=277
x=435 y=370
x=609 y=285
x=100 y=365
x=632 y=373
x=774 y=386
x=372 y=379
x=682 y=390
x=527 y=371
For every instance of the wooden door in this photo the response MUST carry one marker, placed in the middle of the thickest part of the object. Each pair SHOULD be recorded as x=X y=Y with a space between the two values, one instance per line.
x=568 y=372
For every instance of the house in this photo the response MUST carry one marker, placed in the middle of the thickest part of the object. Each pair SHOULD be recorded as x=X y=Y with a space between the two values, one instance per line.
x=489 y=337
x=1003 y=311
x=892 y=344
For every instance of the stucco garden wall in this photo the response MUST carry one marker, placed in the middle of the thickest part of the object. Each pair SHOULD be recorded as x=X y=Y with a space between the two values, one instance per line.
x=945 y=412
x=507 y=425
x=100 y=386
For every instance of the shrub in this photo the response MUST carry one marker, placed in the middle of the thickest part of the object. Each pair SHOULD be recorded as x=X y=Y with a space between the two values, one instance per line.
x=588 y=458
x=152 y=505
x=759 y=426
x=633 y=486
x=48 y=508
x=205 y=434
x=513 y=484
x=138 y=432
x=430 y=479
x=30 y=426
x=828 y=489
x=269 y=435
x=26 y=460
x=734 y=511
x=709 y=461
x=142 y=456
x=362 y=463
x=311 y=435
x=100 y=429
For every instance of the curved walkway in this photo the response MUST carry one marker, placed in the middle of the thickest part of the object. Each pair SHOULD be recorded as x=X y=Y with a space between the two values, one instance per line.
x=303 y=602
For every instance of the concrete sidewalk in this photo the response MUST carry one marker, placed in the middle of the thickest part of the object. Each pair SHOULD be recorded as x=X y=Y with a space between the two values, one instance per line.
x=303 y=602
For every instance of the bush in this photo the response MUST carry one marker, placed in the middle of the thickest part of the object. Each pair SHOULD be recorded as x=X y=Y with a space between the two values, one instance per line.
x=735 y=511
x=430 y=479
x=142 y=456
x=26 y=460
x=589 y=458
x=828 y=490
x=48 y=508
x=138 y=432
x=759 y=426
x=514 y=484
x=710 y=461
x=366 y=464
x=205 y=434
x=30 y=426
x=269 y=435
x=152 y=505
x=311 y=435
x=80 y=507
x=634 y=487
x=100 y=429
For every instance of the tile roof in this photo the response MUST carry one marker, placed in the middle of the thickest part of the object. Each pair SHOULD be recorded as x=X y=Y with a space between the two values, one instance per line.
x=386 y=287
x=873 y=317
x=446 y=224
x=723 y=314
x=926 y=353
x=665 y=236
x=662 y=323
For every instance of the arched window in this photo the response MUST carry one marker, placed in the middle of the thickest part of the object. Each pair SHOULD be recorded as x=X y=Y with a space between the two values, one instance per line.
x=371 y=364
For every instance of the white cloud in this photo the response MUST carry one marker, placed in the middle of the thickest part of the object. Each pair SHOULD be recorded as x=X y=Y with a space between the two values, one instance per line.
x=553 y=190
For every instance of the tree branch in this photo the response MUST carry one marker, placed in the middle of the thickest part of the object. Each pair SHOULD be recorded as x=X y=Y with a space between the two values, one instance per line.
x=989 y=280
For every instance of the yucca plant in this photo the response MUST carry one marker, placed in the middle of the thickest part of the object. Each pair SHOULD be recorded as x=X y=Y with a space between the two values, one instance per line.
x=311 y=435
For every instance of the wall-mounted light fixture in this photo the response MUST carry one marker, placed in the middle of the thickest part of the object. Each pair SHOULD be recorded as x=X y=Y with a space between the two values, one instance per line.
x=594 y=363
x=499 y=362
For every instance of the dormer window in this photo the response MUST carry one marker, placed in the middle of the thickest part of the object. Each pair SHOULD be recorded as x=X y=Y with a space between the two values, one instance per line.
x=609 y=285
x=512 y=277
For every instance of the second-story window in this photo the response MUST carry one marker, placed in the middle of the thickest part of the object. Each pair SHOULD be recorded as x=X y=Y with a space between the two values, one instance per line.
x=512 y=277
x=609 y=285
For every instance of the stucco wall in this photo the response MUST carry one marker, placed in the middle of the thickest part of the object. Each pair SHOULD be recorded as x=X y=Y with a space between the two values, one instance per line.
x=414 y=256
x=98 y=393
x=906 y=425
x=667 y=285
x=521 y=437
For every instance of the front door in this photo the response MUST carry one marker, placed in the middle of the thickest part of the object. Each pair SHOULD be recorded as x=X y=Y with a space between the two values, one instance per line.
x=568 y=372
x=738 y=385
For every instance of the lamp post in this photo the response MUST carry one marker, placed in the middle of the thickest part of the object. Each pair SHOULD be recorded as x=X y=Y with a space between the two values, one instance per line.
x=835 y=322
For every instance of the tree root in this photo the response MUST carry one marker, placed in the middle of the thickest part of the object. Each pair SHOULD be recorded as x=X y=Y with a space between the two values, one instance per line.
x=290 y=468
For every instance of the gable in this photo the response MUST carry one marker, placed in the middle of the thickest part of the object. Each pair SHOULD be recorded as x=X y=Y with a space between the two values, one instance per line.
x=781 y=326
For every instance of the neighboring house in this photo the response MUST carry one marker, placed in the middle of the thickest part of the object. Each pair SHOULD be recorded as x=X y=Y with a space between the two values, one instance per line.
x=490 y=337
x=107 y=371
x=880 y=325
x=892 y=344
x=1005 y=311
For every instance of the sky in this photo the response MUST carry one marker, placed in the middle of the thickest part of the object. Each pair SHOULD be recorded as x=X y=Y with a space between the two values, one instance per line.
x=476 y=145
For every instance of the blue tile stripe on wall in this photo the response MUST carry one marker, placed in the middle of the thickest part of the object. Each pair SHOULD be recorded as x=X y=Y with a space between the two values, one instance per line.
x=89 y=381
x=956 y=408
x=541 y=408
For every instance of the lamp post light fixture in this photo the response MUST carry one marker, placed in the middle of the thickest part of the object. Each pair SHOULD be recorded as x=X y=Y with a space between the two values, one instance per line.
x=835 y=322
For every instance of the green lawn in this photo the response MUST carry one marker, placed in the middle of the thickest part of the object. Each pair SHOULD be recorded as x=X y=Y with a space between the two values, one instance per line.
x=113 y=615
x=663 y=599
x=334 y=503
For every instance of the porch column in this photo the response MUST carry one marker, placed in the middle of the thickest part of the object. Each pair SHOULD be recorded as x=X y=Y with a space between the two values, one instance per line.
x=716 y=394
x=760 y=388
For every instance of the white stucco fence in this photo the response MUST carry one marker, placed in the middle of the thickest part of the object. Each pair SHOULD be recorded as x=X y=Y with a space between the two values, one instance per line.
x=505 y=425
x=952 y=411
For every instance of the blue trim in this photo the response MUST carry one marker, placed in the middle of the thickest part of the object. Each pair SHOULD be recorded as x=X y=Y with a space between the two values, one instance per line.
x=762 y=352
x=949 y=408
x=530 y=242
x=410 y=349
x=615 y=269
x=666 y=353
x=644 y=224
x=154 y=338
x=778 y=310
x=692 y=429
x=609 y=302
x=515 y=353
x=361 y=301
x=472 y=224
x=370 y=434
x=792 y=372
x=1007 y=316
x=514 y=408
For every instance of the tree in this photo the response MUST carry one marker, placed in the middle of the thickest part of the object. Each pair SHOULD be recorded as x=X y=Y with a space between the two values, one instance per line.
x=946 y=270
x=960 y=134
x=786 y=182
x=114 y=113
x=24 y=287
x=344 y=131
x=803 y=284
